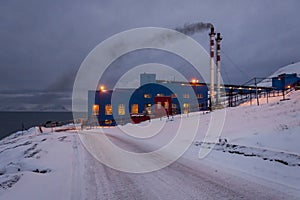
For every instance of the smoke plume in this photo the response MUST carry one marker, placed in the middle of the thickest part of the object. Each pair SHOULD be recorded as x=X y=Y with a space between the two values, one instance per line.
x=191 y=29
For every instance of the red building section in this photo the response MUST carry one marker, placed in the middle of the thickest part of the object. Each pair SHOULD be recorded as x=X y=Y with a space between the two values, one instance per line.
x=163 y=106
x=138 y=118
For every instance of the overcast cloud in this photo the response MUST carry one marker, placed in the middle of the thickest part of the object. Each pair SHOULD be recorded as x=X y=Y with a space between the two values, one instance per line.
x=43 y=42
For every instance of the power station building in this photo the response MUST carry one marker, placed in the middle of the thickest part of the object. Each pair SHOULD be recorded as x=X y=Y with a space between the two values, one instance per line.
x=153 y=99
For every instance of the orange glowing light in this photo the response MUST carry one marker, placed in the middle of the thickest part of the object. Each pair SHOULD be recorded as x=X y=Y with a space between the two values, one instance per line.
x=195 y=81
x=288 y=86
x=102 y=87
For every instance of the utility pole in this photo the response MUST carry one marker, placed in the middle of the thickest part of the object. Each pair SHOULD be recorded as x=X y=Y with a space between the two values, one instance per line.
x=283 y=87
x=257 y=100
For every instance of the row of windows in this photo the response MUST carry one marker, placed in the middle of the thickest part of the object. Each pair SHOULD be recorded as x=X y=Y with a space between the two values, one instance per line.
x=186 y=96
x=135 y=108
x=108 y=109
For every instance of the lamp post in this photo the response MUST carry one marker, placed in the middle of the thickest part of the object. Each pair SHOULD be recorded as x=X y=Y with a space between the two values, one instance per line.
x=101 y=89
x=283 y=87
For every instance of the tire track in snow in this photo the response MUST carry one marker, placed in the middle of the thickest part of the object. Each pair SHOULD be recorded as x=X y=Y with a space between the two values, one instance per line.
x=75 y=179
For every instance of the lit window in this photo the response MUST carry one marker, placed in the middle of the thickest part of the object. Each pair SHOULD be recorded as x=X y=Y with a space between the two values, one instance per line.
x=95 y=109
x=166 y=105
x=134 y=108
x=200 y=105
x=186 y=108
x=160 y=95
x=147 y=96
x=186 y=96
x=148 y=108
x=108 y=109
x=121 y=109
x=173 y=95
x=199 y=96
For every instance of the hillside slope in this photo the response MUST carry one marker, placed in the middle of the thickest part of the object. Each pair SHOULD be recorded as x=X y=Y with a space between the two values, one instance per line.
x=289 y=69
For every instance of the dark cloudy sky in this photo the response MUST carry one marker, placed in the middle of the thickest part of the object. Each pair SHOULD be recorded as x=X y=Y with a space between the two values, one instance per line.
x=43 y=42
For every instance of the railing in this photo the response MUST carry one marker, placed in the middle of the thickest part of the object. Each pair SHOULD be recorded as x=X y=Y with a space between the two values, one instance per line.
x=236 y=99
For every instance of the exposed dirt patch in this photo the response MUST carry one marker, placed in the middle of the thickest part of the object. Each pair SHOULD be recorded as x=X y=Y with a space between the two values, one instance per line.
x=43 y=171
x=10 y=182
x=61 y=139
x=23 y=144
x=32 y=151
x=285 y=158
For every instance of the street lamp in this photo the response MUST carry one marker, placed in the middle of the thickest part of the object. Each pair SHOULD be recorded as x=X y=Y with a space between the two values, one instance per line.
x=195 y=81
x=101 y=89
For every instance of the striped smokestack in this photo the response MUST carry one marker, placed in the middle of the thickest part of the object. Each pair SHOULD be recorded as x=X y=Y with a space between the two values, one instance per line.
x=218 y=54
x=212 y=82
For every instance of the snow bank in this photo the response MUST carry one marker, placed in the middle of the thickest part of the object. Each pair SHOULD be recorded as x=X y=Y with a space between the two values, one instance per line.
x=36 y=165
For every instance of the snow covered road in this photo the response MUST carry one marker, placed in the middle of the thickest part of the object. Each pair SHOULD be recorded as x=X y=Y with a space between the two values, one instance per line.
x=184 y=179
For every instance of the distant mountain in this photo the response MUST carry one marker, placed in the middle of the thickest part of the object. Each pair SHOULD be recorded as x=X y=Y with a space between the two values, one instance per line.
x=35 y=107
x=51 y=107
x=289 y=69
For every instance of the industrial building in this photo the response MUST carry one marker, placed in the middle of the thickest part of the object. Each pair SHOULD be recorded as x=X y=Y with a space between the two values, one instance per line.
x=157 y=98
x=284 y=81
x=153 y=99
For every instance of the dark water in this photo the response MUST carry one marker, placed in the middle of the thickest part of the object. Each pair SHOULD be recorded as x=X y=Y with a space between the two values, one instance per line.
x=11 y=122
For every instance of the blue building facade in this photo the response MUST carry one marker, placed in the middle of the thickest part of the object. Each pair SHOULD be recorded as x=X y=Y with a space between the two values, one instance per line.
x=113 y=107
x=284 y=81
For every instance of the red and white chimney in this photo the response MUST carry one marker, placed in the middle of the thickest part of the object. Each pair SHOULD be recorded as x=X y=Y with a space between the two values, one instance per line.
x=212 y=82
x=218 y=55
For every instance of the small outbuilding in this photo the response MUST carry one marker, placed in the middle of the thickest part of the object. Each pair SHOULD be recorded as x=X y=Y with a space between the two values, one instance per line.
x=284 y=81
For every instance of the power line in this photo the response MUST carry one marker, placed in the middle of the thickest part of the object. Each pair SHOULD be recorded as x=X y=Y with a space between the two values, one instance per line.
x=227 y=77
x=234 y=65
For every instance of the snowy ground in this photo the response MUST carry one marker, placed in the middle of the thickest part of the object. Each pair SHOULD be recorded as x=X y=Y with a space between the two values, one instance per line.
x=260 y=160
x=38 y=166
